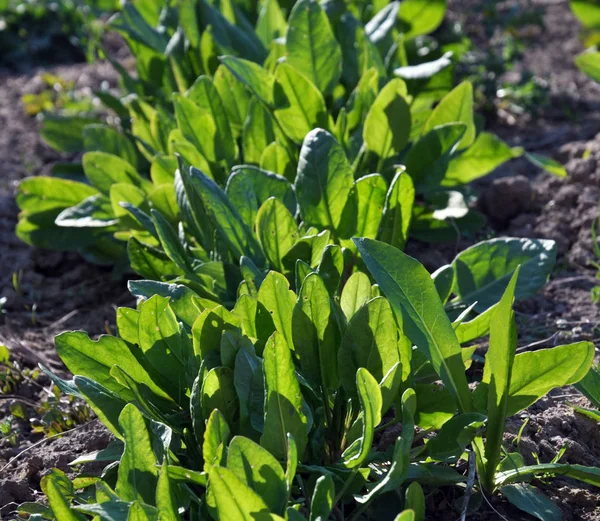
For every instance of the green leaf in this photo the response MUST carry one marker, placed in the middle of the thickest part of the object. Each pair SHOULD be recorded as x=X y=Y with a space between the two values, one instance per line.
x=169 y=240
x=275 y=295
x=253 y=76
x=359 y=53
x=64 y=133
x=324 y=180
x=248 y=187
x=380 y=26
x=41 y=194
x=283 y=406
x=115 y=510
x=414 y=500
x=483 y=270
x=166 y=347
x=590 y=413
x=406 y=515
x=486 y=154
x=231 y=35
x=271 y=23
x=588 y=62
x=106 y=404
x=291 y=461
x=369 y=395
x=529 y=499
x=166 y=501
x=421 y=16
x=104 y=170
x=311 y=46
x=315 y=333
x=249 y=385
x=94 y=359
x=535 y=373
x=189 y=199
x=234 y=96
x=456 y=106
x=371 y=195
x=476 y=328
x=205 y=95
x=126 y=193
x=322 y=498
x=226 y=219
x=426 y=70
x=498 y=374
x=141 y=512
x=218 y=392
x=397 y=212
x=355 y=294
x=590 y=386
x=387 y=125
x=546 y=163
x=103 y=138
x=443 y=278
x=398 y=470
x=413 y=296
x=150 y=262
x=182 y=300
x=454 y=436
x=371 y=342
x=331 y=267
x=589 y=475
x=259 y=470
x=208 y=329
x=299 y=106
x=137 y=477
x=58 y=503
x=216 y=437
x=93 y=212
x=231 y=499
x=428 y=158
x=258 y=132
x=197 y=126
x=275 y=158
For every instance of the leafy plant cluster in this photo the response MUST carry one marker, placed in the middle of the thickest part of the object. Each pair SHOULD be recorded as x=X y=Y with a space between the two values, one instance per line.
x=34 y=31
x=238 y=93
x=276 y=409
x=266 y=166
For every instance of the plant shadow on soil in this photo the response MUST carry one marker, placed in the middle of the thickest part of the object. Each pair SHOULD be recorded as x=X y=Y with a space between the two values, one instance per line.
x=518 y=200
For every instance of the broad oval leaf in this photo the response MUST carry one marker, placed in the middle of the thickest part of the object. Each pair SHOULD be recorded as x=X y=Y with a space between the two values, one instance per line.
x=371 y=341
x=414 y=298
x=311 y=46
x=456 y=106
x=283 y=404
x=482 y=271
x=299 y=106
x=324 y=181
x=277 y=231
x=387 y=125
x=258 y=469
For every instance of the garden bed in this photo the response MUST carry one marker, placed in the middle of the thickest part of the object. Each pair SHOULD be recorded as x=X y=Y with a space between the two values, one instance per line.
x=56 y=292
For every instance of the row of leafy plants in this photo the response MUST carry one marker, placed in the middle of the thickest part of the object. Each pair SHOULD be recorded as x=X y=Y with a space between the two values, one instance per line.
x=275 y=410
x=227 y=97
x=36 y=32
x=281 y=334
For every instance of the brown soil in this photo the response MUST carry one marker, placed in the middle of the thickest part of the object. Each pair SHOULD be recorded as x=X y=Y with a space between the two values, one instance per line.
x=518 y=200
x=55 y=292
